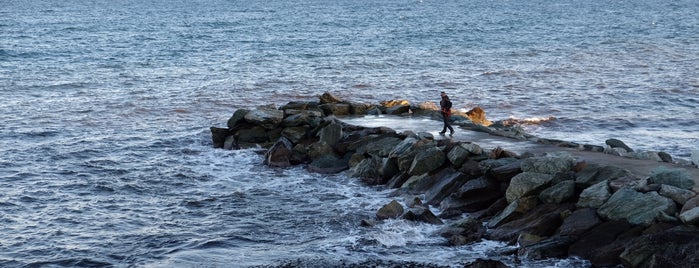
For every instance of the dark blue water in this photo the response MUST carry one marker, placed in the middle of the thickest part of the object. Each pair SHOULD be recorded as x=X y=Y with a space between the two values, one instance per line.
x=107 y=161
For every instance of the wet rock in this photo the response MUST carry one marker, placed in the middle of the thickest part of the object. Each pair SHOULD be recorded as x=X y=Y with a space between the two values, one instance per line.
x=279 y=155
x=398 y=109
x=632 y=182
x=615 y=143
x=595 y=195
x=473 y=195
x=392 y=210
x=383 y=146
x=665 y=157
x=331 y=134
x=295 y=134
x=393 y=103
x=690 y=216
x=477 y=116
x=507 y=171
x=255 y=134
x=695 y=157
x=335 y=109
x=444 y=185
x=359 y=108
x=558 y=193
x=388 y=168
x=499 y=153
x=589 y=245
x=427 y=160
x=593 y=174
x=514 y=210
x=676 y=247
x=230 y=143
x=267 y=118
x=579 y=222
x=424 y=108
x=366 y=169
x=676 y=177
x=294 y=107
x=421 y=214
x=328 y=164
x=690 y=204
x=238 y=116
x=553 y=247
x=543 y=221
x=303 y=118
x=637 y=208
x=218 y=136
x=527 y=183
x=458 y=155
x=464 y=231
x=318 y=149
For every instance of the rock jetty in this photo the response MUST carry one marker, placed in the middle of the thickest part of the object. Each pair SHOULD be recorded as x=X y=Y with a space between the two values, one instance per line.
x=551 y=205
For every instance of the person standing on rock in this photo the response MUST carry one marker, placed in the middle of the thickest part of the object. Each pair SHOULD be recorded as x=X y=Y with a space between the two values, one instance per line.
x=445 y=105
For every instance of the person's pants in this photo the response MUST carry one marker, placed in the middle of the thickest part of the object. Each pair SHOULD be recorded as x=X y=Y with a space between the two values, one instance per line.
x=445 y=118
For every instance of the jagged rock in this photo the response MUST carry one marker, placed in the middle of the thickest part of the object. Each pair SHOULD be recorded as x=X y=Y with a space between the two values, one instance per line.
x=328 y=164
x=328 y=97
x=632 y=182
x=230 y=143
x=543 y=220
x=295 y=134
x=359 y=108
x=676 y=247
x=458 y=155
x=547 y=164
x=558 y=193
x=335 y=109
x=593 y=174
x=473 y=148
x=218 y=136
x=366 y=169
x=589 y=245
x=421 y=214
x=318 y=149
x=471 y=168
x=464 y=231
x=690 y=216
x=489 y=165
x=677 y=194
x=637 y=208
x=595 y=195
x=474 y=195
x=402 y=147
x=526 y=239
x=444 y=185
x=527 y=183
x=303 y=118
x=294 y=107
x=388 y=168
x=513 y=210
x=615 y=143
x=424 y=108
x=676 y=177
x=507 y=171
x=279 y=155
x=255 y=134
x=382 y=147
x=579 y=222
x=392 y=210
x=665 y=157
x=426 y=161
x=553 y=247
x=265 y=117
x=499 y=153
x=238 y=116
x=393 y=103
x=331 y=134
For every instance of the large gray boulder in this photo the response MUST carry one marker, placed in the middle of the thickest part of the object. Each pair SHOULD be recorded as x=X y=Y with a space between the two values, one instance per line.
x=515 y=209
x=303 y=118
x=635 y=207
x=677 y=194
x=445 y=185
x=547 y=164
x=558 y=193
x=383 y=146
x=474 y=195
x=593 y=174
x=328 y=164
x=279 y=155
x=427 y=160
x=676 y=247
x=595 y=195
x=676 y=177
x=392 y=210
x=690 y=216
x=331 y=134
x=458 y=155
x=527 y=183
x=295 y=134
x=238 y=116
x=615 y=143
x=265 y=117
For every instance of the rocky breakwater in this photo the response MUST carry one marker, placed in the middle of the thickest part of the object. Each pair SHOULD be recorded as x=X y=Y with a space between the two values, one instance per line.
x=551 y=205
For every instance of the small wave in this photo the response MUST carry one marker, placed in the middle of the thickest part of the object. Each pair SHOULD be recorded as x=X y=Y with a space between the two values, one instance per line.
x=527 y=121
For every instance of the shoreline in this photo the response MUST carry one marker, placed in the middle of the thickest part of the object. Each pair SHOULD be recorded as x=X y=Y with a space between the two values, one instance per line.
x=559 y=200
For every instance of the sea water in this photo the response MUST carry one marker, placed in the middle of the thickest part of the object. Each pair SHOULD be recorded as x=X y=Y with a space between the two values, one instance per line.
x=106 y=157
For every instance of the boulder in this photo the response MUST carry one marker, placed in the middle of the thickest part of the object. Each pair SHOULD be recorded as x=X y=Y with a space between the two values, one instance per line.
x=393 y=103
x=593 y=174
x=507 y=171
x=392 y=210
x=279 y=155
x=457 y=155
x=303 y=118
x=238 y=116
x=542 y=221
x=579 y=222
x=427 y=160
x=331 y=134
x=672 y=176
x=335 y=109
x=589 y=245
x=676 y=247
x=424 y=108
x=690 y=204
x=328 y=164
x=552 y=247
x=485 y=263
x=398 y=109
x=218 y=136
x=632 y=182
x=295 y=134
x=366 y=169
x=489 y=165
x=477 y=116
x=230 y=143
x=473 y=195
x=318 y=149
x=527 y=183
x=513 y=211
x=421 y=214
x=558 y=193
x=267 y=118
x=615 y=143
x=294 y=107
x=444 y=185
x=595 y=195
x=328 y=97
x=677 y=194
x=256 y=134
x=464 y=231
x=636 y=208
x=383 y=146
x=548 y=164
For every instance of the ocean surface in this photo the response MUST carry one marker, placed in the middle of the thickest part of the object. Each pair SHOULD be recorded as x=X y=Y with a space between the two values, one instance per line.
x=106 y=157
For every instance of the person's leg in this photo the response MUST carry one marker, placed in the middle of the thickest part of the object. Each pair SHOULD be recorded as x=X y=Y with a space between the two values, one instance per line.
x=445 y=119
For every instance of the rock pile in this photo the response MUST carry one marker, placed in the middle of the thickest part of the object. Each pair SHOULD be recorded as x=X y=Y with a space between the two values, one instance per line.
x=551 y=205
